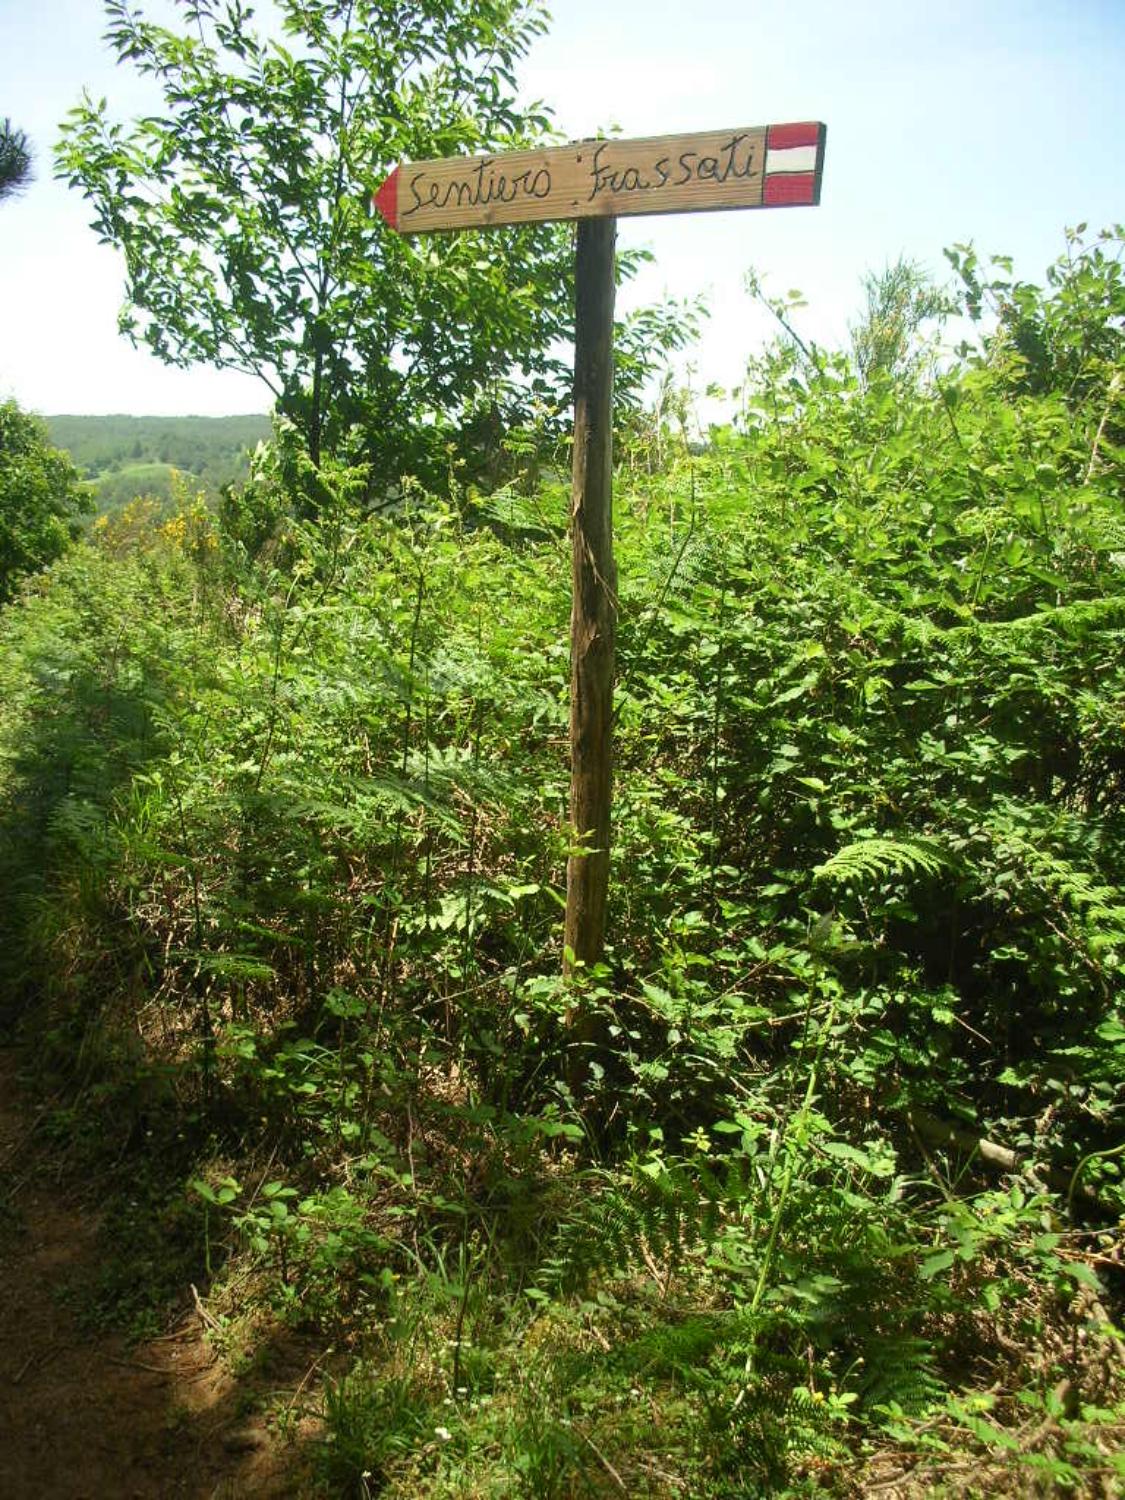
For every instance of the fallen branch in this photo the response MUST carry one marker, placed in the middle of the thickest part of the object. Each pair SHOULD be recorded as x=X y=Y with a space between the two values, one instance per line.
x=207 y=1318
x=605 y=1463
x=40 y=1360
x=938 y=1132
x=136 y=1364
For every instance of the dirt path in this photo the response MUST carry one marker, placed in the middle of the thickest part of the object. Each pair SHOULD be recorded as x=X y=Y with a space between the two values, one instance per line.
x=85 y=1417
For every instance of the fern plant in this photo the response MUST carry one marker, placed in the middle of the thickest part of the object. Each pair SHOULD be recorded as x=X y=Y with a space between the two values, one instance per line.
x=869 y=860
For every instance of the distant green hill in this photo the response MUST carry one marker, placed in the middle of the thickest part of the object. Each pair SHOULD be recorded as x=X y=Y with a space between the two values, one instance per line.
x=114 y=489
x=128 y=456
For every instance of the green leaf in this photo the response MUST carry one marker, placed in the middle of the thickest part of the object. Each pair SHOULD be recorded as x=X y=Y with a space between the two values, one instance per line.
x=933 y=1265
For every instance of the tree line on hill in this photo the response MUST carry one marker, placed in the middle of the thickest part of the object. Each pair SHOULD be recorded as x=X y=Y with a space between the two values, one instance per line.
x=125 y=458
x=213 y=449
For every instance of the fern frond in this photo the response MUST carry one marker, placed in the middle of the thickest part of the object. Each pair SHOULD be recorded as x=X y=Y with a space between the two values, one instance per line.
x=1066 y=885
x=665 y=1213
x=900 y=1367
x=873 y=859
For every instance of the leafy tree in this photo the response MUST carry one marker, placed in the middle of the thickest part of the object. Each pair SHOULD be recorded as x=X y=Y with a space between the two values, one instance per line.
x=1067 y=337
x=242 y=212
x=41 y=498
x=15 y=160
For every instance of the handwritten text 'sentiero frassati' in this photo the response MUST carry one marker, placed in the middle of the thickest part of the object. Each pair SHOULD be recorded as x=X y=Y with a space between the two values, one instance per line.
x=764 y=166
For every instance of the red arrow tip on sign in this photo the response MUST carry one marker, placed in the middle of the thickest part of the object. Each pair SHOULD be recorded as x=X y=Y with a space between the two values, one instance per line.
x=386 y=199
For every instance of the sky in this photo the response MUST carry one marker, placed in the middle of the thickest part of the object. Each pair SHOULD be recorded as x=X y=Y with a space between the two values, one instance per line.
x=998 y=122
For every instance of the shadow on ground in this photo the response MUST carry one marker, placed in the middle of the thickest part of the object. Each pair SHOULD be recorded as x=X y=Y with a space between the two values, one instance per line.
x=87 y=1417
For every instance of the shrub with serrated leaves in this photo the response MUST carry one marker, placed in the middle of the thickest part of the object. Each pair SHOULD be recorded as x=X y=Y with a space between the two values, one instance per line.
x=303 y=796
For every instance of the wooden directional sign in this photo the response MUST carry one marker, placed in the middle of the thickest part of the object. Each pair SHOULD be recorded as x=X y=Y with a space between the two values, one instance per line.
x=761 y=166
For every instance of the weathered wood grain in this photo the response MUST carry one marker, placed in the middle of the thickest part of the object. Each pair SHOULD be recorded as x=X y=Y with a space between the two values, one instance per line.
x=593 y=616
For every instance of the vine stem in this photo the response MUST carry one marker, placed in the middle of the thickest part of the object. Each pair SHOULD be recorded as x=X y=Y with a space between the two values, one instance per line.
x=1081 y=1167
x=798 y=1139
x=716 y=729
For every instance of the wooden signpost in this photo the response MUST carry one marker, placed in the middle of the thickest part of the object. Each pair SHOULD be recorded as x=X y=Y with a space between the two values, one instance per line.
x=594 y=182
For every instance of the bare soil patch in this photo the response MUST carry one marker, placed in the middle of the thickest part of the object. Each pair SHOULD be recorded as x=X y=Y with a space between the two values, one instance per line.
x=86 y=1417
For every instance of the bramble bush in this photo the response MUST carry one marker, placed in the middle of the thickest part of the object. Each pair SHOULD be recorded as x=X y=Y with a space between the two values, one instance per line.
x=291 y=795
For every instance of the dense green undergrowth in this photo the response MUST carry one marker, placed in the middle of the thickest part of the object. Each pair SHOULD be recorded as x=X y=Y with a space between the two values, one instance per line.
x=283 y=838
